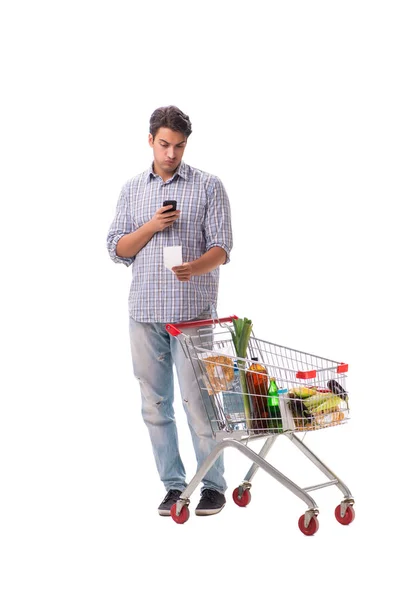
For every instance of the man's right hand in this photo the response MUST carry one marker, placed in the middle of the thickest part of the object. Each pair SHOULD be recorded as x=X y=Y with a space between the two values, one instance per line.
x=163 y=219
x=131 y=243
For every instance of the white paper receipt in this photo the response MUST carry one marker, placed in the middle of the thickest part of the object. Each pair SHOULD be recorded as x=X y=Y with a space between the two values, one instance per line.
x=172 y=256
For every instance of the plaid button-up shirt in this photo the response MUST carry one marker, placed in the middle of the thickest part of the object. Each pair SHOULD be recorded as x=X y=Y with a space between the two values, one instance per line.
x=156 y=295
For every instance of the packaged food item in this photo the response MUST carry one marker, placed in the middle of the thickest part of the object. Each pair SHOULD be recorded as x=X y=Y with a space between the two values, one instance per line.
x=219 y=373
x=331 y=418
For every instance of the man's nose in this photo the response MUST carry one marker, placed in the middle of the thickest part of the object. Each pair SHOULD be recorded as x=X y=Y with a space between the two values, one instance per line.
x=171 y=152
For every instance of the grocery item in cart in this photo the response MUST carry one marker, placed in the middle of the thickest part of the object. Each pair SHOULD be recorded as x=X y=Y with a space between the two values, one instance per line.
x=241 y=334
x=302 y=392
x=315 y=407
x=274 y=412
x=335 y=387
x=257 y=385
x=233 y=402
x=323 y=403
x=301 y=416
x=332 y=418
x=219 y=373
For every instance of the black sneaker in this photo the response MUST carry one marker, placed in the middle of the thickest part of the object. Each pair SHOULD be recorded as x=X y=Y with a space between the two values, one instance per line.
x=165 y=507
x=211 y=502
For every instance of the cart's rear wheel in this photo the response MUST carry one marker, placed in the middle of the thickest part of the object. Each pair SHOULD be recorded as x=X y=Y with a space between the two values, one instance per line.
x=348 y=516
x=312 y=528
x=244 y=500
x=183 y=515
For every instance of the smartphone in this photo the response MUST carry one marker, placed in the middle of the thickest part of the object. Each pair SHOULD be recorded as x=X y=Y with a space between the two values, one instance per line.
x=168 y=203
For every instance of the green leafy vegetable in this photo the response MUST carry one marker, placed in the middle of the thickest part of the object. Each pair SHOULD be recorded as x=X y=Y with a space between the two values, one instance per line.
x=241 y=334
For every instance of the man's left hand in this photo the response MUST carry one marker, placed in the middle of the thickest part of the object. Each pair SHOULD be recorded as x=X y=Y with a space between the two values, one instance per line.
x=184 y=272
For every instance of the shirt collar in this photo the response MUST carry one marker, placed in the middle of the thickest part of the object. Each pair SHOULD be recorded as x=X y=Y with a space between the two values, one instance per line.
x=182 y=171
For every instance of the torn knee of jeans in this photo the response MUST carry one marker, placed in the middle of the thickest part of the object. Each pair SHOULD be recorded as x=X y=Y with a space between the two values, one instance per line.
x=161 y=357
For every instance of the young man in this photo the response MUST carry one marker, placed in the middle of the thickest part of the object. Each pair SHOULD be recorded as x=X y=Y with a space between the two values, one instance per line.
x=142 y=227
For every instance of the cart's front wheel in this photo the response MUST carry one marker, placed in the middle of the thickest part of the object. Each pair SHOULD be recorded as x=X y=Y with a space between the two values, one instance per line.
x=348 y=516
x=313 y=525
x=183 y=515
x=244 y=500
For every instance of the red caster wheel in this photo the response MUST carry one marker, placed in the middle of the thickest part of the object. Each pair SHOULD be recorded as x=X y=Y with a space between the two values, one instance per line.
x=312 y=528
x=183 y=515
x=348 y=516
x=244 y=500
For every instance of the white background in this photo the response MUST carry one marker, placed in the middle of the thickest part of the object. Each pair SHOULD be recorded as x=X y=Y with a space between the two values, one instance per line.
x=295 y=106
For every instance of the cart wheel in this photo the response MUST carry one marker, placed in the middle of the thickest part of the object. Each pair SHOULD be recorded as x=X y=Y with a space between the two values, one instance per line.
x=183 y=515
x=348 y=516
x=244 y=500
x=312 y=528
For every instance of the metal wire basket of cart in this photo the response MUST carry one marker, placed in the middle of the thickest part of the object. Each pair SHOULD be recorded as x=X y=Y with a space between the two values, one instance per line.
x=273 y=391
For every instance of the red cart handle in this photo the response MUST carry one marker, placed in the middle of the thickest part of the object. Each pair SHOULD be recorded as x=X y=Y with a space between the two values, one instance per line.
x=176 y=328
x=341 y=368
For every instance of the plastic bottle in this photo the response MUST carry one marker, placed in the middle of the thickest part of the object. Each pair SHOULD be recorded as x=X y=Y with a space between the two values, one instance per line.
x=275 y=417
x=257 y=385
x=233 y=401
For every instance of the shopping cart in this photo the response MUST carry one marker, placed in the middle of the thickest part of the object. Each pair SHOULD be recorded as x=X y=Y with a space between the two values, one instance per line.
x=311 y=395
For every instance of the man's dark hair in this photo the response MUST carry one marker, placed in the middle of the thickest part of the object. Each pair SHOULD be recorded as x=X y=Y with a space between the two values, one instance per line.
x=171 y=118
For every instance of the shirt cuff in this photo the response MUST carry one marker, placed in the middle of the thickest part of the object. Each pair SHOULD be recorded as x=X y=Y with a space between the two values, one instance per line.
x=112 y=249
x=224 y=247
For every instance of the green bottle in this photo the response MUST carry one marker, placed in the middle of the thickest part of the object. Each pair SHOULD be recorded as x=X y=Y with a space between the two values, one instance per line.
x=274 y=412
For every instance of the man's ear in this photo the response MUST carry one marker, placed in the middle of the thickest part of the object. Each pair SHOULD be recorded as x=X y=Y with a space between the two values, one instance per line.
x=151 y=140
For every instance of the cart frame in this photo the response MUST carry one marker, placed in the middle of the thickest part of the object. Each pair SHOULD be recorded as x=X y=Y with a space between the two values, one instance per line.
x=230 y=438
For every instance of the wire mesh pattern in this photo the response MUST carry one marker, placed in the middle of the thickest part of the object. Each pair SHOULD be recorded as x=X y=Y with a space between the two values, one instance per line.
x=311 y=390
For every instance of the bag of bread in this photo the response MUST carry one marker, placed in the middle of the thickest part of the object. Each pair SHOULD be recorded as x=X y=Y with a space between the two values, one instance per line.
x=219 y=373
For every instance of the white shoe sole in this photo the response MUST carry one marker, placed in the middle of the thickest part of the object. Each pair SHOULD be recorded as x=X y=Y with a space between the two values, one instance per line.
x=206 y=512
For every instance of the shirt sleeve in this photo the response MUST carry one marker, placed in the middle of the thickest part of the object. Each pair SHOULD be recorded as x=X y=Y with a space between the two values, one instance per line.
x=217 y=223
x=121 y=225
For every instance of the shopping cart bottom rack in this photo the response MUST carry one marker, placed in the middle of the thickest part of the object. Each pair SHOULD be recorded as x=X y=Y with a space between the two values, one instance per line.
x=309 y=394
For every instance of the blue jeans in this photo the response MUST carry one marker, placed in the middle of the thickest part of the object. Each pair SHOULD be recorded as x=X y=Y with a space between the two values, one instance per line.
x=154 y=352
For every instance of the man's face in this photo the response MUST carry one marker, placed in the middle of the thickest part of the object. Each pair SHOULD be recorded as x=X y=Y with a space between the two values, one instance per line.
x=168 y=148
